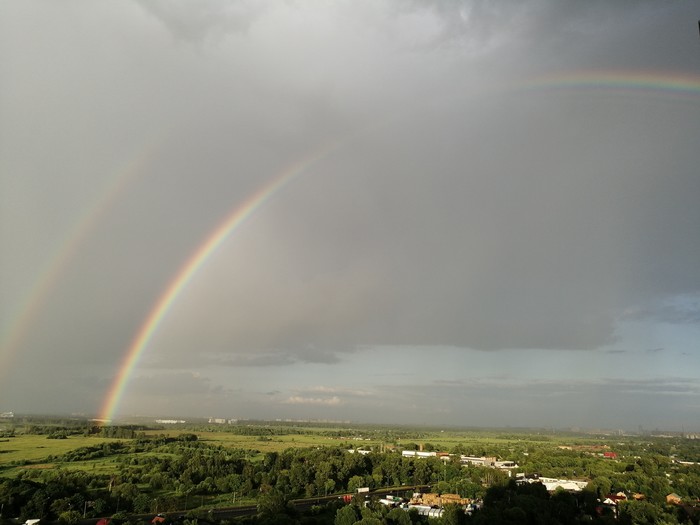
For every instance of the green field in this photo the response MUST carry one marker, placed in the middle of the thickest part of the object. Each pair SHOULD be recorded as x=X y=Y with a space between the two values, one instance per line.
x=32 y=448
x=29 y=451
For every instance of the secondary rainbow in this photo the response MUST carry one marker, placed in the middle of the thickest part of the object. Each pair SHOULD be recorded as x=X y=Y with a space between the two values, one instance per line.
x=662 y=82
x=230 y=223
x=46 y=280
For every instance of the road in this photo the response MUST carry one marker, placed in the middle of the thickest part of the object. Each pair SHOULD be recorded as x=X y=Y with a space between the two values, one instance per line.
x=224 y=513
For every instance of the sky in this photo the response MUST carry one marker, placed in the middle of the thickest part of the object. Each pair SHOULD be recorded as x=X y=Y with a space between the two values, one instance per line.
x=418 y=212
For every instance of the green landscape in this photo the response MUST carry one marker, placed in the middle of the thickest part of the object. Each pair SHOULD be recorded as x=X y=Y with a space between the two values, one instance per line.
x=73 y=471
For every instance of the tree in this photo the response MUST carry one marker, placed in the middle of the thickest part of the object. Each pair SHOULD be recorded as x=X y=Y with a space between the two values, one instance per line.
x=272 y=504
x=60 y=505
x=100 y=506
x=601 y=486
x=454 y=515
x=142 y=503
x=355 y=483
x=346 y=515
x=69 y=517
x=638 y=513
x=398 y=517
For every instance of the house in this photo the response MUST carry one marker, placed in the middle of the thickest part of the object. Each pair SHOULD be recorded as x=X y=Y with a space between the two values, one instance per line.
x=673 y=499
x=478 y=461
x=616 y=498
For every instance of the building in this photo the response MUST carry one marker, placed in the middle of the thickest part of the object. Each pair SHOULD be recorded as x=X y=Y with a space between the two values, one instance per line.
x=673 y=499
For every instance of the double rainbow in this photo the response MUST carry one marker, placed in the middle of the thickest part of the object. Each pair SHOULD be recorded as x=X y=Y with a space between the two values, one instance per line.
x=671 y=86
x=667 y=84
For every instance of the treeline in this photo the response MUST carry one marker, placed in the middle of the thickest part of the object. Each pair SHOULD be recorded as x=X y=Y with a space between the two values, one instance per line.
x=175 y=473
x=163 y=473
x=62 y=431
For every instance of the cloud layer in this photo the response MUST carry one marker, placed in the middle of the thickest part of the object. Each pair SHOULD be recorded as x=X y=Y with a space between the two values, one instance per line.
x=477 y=200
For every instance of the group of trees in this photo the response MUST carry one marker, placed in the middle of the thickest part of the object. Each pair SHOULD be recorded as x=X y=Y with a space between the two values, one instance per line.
x=160 y=473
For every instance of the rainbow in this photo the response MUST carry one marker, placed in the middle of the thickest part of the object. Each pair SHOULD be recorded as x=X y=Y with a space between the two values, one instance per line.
x=188 y=270
x=681 y=84
x=625 y=81
x=18 y=326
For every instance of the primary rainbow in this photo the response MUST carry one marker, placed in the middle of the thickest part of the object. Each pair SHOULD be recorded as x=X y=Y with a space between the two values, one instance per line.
x=19 y=324
x=627 y=81
x=235 y=219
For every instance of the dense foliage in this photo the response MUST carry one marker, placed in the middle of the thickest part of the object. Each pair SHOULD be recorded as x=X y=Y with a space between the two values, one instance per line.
x=130 y=470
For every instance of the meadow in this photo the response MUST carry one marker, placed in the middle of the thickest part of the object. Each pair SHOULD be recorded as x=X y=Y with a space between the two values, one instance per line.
x=27 y=451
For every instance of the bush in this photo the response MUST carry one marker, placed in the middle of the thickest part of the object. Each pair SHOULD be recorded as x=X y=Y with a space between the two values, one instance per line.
x=69 y=517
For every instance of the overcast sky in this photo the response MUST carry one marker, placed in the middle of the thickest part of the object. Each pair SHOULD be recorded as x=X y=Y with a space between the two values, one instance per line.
x=505 y=230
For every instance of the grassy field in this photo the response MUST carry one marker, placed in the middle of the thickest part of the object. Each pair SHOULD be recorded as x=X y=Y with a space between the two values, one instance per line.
x=28 y=451
x=31 y=448
x=275 y=443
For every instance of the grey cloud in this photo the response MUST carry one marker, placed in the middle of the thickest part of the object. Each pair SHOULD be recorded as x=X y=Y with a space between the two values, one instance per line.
x=611 y=402
x=326 y=401
x=333 y=391
x=543 y=248
x=612 y=387
x=183 y=382
x=205 y=20
x=239 y=359
x=682 y=309
x=469 y=203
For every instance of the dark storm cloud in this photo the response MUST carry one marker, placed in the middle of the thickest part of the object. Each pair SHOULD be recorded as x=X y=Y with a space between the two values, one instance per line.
x=495 y=222
x=544 y=247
